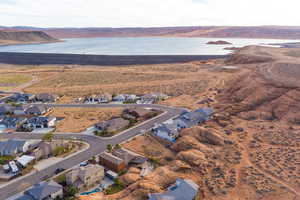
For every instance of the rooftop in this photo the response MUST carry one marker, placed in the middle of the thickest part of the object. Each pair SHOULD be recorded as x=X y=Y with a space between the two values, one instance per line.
x=111 y=158
x=183 y=189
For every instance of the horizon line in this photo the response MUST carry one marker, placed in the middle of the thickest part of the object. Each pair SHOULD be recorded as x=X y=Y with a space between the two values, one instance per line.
x=144 y=27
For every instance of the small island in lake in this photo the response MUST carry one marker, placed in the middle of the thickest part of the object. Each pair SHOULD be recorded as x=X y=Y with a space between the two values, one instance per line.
x=219 y=42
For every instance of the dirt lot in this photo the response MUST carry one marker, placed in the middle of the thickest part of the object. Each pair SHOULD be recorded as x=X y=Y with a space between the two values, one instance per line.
x=149 y=147
x=78 y=119
x=75 y=81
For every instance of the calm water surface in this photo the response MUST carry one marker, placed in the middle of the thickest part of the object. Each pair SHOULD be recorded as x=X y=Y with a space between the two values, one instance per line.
x=139 y=46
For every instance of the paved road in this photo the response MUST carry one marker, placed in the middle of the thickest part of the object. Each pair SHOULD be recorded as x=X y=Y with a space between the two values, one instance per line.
x=96 y=145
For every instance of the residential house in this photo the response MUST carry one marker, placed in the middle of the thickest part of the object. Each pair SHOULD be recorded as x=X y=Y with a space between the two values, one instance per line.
x=40 y=122
x=102 y=98
x=25 y=160
x=85 y=177
x=170 y=129
x=13 y=147
x=152 y=98
x=125 y=97
x=119 y=98
x=135 y=113
x=6 y=109
x=124 y=154
x=46 y=97
x=112 y=162
x=43 y=191
x=46 y=149
x=14 y=123
x=112 y=125
x=195 y=117
x=20 y=110
x=36 y=110
x=183 y=189
x=22 y=98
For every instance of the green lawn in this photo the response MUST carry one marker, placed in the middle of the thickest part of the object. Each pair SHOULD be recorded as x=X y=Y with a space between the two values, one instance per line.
x=5 y=159
x=115 y=188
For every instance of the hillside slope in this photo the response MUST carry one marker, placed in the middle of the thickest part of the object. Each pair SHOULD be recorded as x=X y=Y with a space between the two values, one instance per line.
x=272 y=90
x=20 y=37
x=230 y=32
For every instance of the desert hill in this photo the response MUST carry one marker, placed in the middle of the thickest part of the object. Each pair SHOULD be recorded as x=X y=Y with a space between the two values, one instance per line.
x=20 y=37
x=272 y=90
x=276 y=32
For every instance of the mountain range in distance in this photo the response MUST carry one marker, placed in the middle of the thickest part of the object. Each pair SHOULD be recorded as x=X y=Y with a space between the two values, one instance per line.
x=270 y=32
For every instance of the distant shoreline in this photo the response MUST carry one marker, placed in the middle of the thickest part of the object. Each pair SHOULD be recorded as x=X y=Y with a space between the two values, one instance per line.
x=100 y=60
x=29 y=43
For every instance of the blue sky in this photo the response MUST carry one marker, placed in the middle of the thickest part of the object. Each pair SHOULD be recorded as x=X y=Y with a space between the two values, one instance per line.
x=147 y=13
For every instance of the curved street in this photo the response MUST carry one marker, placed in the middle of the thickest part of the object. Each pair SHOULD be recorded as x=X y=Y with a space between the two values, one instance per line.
x=97 y=144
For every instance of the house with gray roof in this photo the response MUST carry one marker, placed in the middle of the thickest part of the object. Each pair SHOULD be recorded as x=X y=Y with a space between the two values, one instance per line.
x=6 y=109
x=13 y=147
x=152 y=98
x=170 y=129
x=22 y=98
x=36 y=110
x=20 y=110
x=46 y=97
x=195 y=117
x=8 y=122
x=40 y=122
x=112 y=125
x=183 y=189
x=43 y=191
x=125 y=97
x=101 y=98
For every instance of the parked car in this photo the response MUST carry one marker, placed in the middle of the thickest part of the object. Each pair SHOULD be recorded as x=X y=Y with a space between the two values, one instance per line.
x=59 y=170
x=83 y=164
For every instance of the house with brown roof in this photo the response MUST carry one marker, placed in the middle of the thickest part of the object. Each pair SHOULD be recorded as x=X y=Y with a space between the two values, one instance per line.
x=85 y=177
x=46 y=149
x=124 y=155
x=135 y=113
x=112 y=162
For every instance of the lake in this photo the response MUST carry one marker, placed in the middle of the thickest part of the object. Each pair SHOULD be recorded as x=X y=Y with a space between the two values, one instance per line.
x=139 y=46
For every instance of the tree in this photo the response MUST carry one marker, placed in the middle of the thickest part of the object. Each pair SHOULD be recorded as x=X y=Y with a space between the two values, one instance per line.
x=117 y=146
x=71 y=191
x=48 y=137
x=109 y=147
